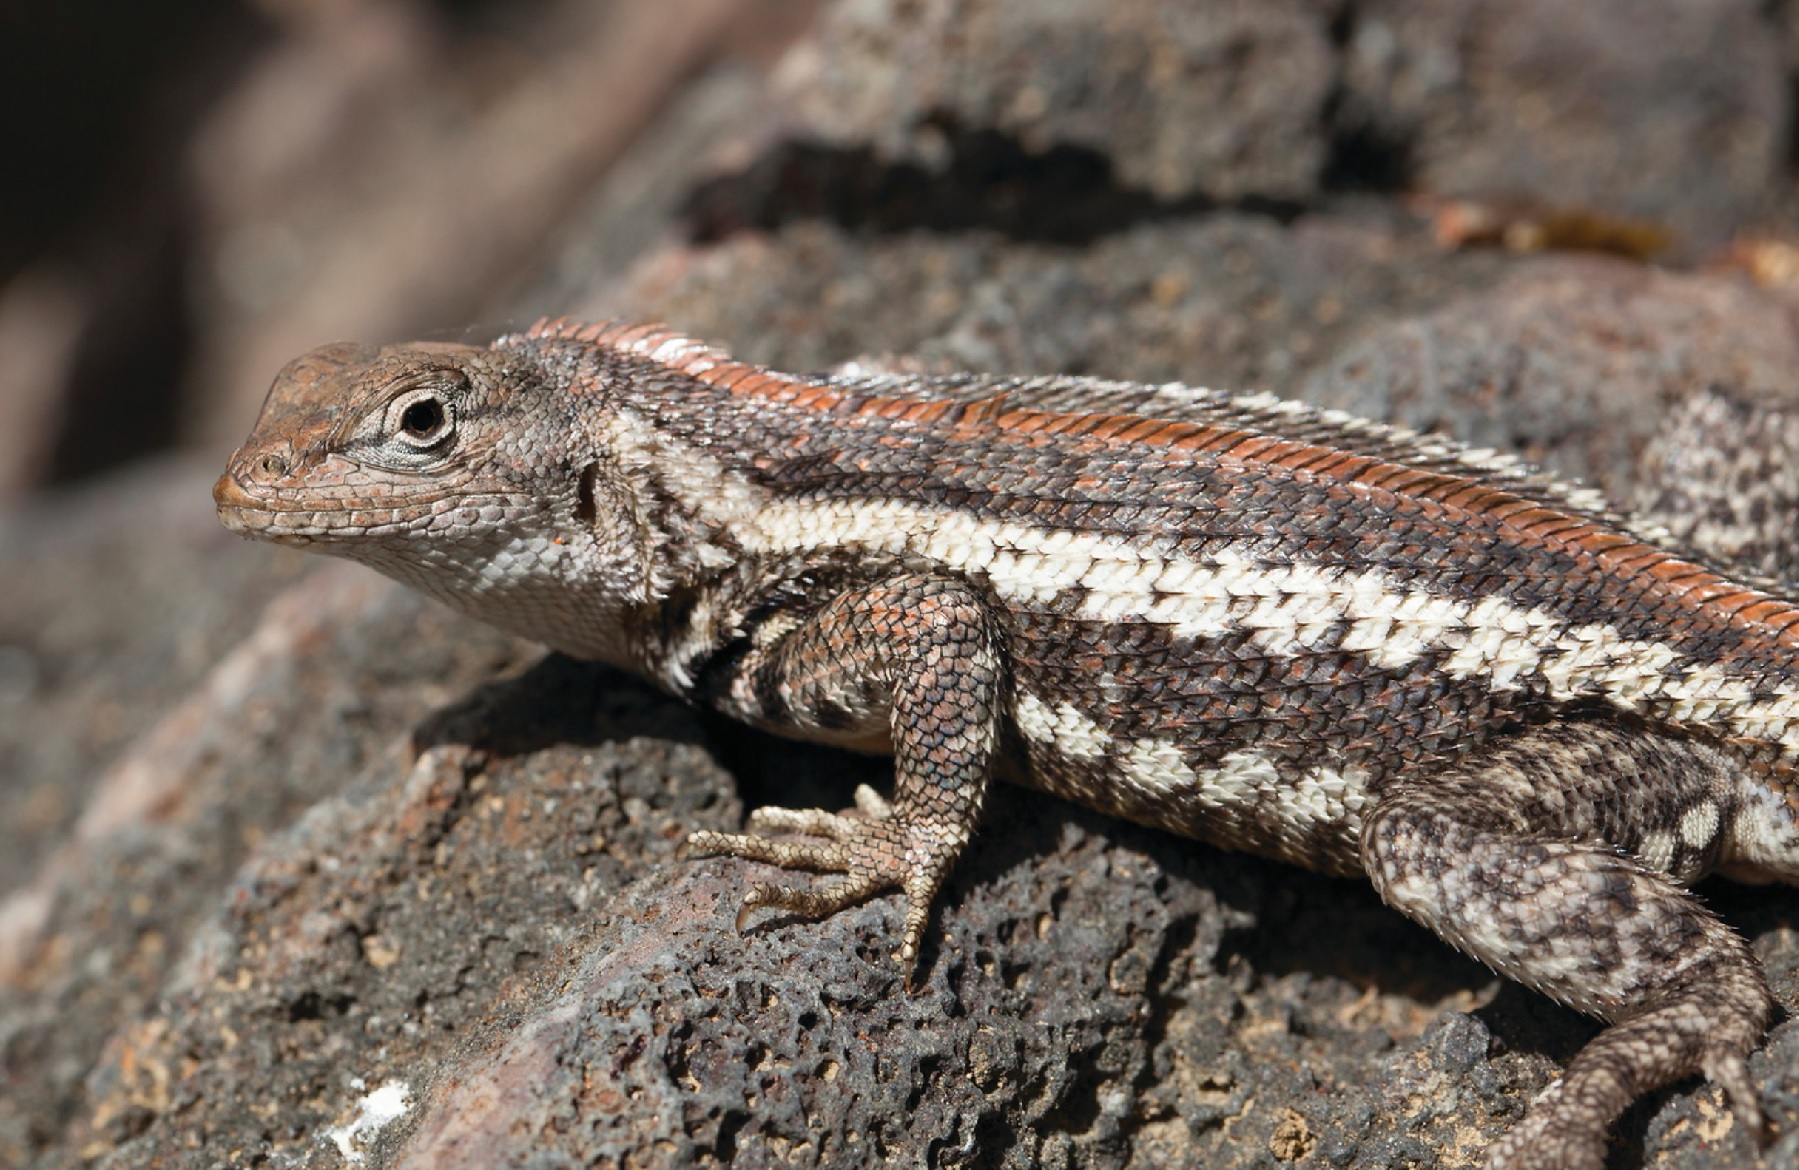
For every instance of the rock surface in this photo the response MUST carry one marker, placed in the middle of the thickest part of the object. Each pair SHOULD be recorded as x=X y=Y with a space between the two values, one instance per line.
x=1138 y=83
x=1666 y=109
x=299 y=870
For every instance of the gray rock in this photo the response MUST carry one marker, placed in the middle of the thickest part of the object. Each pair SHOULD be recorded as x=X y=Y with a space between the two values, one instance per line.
x=1672 y=110
x=1220 y=100
x=1570 y=361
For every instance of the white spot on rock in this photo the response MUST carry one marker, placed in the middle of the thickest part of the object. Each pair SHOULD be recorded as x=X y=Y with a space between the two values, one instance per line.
x=374 y=1112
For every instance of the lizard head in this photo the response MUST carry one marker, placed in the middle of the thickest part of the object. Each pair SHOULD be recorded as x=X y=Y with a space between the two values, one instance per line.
x=359 y=447
x=449 y=467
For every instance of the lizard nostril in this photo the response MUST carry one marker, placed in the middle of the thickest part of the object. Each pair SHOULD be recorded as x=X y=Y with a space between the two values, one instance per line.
x=272 y=465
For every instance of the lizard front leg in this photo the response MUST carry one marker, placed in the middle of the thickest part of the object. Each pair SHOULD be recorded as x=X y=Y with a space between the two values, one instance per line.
x=1535 y=860
x=912 y=660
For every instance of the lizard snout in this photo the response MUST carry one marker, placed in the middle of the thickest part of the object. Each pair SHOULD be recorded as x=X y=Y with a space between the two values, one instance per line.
x=233 y=504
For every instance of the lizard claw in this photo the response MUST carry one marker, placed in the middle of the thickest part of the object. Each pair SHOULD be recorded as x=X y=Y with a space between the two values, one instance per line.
x=875 y=850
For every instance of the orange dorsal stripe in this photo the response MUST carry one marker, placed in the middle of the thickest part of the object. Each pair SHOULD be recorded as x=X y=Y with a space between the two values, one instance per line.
x=1680 y=580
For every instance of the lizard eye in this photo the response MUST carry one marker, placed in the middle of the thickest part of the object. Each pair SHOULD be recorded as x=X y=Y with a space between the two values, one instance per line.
x=421 y=420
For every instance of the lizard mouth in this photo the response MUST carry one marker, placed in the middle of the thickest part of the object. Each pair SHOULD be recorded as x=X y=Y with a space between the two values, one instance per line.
x=246 y=515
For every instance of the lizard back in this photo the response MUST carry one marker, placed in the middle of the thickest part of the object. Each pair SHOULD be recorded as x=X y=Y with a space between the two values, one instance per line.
x=1232 y=632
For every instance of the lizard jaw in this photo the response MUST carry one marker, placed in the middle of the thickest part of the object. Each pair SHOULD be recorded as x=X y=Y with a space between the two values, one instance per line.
x=245 y=515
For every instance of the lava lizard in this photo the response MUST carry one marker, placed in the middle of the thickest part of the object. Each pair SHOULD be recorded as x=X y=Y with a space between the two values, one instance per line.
x=1529 y=720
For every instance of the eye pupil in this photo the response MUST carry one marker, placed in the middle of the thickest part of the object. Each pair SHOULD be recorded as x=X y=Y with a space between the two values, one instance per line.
x=423 y=418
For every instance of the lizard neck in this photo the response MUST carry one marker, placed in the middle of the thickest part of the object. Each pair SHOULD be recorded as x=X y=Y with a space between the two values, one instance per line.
x=633 y=558
x=538 y=587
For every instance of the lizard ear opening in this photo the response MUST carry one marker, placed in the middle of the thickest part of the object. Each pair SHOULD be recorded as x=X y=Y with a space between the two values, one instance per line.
x=586 y=508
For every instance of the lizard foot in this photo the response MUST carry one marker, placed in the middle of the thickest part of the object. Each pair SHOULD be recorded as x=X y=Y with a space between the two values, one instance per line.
x=1710 y=1028
x=876 y=849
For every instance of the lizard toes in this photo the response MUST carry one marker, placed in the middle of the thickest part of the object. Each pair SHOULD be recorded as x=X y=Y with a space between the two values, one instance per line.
x=808 y=822
x=803 y=854
x=874 y=852
x=820 y=903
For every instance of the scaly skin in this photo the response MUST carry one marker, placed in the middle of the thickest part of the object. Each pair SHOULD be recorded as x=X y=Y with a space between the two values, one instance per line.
x=1530 y=721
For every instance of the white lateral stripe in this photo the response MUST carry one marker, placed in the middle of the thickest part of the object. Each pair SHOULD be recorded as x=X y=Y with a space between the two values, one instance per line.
x=1064 y=728
x=1286 y=609
x=1320 y=798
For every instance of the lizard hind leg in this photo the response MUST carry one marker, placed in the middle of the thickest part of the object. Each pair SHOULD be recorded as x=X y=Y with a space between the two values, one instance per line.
x=1513 y=860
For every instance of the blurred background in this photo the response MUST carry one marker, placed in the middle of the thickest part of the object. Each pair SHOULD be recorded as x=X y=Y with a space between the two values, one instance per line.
x=198 y=190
